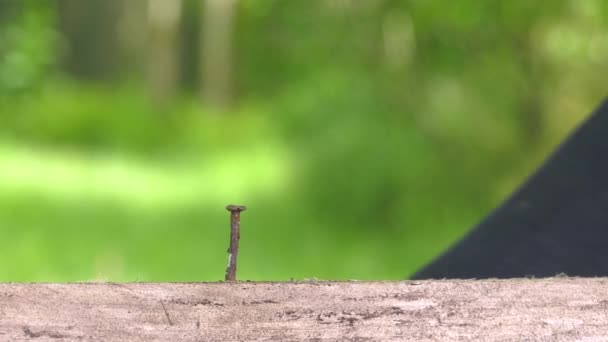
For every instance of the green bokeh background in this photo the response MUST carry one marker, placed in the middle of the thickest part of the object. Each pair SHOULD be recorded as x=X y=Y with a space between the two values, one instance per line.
x=364 y=136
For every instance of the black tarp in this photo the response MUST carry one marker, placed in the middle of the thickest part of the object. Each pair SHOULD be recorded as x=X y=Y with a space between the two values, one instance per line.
x=556 y=222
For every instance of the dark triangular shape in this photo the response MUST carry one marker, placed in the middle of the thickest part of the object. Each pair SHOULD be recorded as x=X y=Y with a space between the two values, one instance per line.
x=557 y=222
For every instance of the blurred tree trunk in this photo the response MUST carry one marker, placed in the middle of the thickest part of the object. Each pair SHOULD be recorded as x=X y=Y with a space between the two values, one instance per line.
x=132 y=36
x=532 y=122
x=163 y=49
x=217 y=70
x=89 y=28
x=530 y=107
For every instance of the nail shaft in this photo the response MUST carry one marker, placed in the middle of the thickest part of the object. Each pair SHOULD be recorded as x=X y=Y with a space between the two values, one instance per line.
x=233 y=250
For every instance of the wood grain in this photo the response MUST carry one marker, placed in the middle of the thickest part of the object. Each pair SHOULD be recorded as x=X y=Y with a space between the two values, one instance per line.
x=553 y=309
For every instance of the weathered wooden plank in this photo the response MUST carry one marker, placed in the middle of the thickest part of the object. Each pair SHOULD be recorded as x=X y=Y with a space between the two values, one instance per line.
x=505 y=310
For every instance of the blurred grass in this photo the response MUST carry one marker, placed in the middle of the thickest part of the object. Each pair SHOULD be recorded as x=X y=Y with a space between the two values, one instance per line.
x=67 y=217
x=142 y=209
x=90 y=190
x=107 y=187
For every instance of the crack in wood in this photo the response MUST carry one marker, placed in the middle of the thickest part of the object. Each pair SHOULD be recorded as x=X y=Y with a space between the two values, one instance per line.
x=166 y=313
x=42 y=333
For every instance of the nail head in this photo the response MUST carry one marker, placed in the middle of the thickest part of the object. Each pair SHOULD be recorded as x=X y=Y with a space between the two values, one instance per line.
x=233 y=207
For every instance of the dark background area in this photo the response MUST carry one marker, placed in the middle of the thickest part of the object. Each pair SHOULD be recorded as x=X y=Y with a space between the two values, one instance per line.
x=364 y=136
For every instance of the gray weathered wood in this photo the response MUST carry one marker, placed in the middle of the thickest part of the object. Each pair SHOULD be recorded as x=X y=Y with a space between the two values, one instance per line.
x=482 y=310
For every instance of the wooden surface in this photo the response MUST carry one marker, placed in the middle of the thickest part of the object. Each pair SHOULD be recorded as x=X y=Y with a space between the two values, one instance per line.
x=556 y=309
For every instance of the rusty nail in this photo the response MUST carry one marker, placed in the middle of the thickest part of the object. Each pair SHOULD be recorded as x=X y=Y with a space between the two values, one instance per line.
x=233 y=250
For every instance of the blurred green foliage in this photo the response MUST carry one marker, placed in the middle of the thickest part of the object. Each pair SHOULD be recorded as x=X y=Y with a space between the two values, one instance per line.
x=364 y=136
